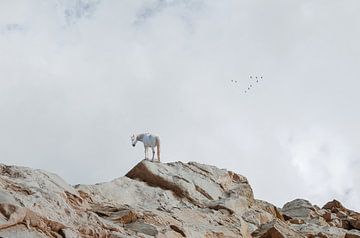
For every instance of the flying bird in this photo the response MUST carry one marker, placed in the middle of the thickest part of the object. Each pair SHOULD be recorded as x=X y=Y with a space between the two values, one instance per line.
x=251 y=85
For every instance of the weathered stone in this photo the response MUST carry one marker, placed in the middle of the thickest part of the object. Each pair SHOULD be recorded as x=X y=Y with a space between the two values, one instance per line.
x=355 y=223
x=276 y=229
x=141 y=227
x=158 y=200
x=270 y=208
x=21 y=232
x=298 y=208
x=195 y=182
x=257 y=218
x=313 y=230
x=334 y=206
x=296 y=221
x=352 y=234
x=345 y=224
x=328 y=216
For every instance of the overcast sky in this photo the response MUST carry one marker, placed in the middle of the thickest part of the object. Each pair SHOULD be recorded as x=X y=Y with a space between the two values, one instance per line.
x=78 y=77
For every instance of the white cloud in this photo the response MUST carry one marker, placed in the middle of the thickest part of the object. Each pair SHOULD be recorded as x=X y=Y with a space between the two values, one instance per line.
x=326 y=163
x=82 y=76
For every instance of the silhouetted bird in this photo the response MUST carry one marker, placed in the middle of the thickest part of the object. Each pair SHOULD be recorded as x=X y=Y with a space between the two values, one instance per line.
x=251 y=77
x=261 y=77
x=257 y=81
x=248 y=88
x=250 y=85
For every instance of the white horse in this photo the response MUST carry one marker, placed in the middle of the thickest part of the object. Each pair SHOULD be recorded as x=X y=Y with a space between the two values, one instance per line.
x=149 y=140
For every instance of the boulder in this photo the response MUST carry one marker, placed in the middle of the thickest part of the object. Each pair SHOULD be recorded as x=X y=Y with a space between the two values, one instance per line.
x=197 y=183
x=352 y=234
x=334 y=206
x=276 y=229
x=298 y=208
x=270 y=208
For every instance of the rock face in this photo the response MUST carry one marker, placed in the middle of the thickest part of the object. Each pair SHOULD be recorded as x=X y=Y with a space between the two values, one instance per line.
x=159 y=200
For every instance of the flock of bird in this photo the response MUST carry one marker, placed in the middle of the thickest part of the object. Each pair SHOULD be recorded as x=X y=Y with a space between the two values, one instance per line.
x=253 y=80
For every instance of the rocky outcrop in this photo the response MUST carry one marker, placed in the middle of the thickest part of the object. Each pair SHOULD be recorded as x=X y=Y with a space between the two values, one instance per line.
x=159 y=200
x=333 y=220
x=276 y=229
x=203 y=186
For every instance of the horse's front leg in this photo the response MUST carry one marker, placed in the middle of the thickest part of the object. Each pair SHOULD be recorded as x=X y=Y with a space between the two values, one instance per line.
x=145 y=148
x=153 y=151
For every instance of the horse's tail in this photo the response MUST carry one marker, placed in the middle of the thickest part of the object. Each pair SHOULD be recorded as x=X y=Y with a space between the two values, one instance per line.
x=158 y=147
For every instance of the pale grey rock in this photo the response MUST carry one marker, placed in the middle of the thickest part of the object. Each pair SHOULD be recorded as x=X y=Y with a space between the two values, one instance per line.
x=21 y=232
x=6 y=197
x=352 y=234
x=140 y=227
x=70 y=233
x=175 y=192
x=313 y=229
x=257 y=217
x=159 y=200
x=298 y=208
x=194 y=182
x=276 y=229
x=270 y=208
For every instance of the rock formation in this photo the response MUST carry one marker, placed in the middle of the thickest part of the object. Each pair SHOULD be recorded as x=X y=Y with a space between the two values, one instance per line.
x=159 y=200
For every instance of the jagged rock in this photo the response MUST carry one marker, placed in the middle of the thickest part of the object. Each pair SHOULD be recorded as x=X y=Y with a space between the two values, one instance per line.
x=334 y=206
x=352 y=234
x=270 y=208
x=339 y=216
x=68 y=232
x=296 y=221
x=170 y=234
x=21 y=215
x=142 y=228
x=298 y=208
x=354 y=223
x=158 y=200
x=21 y=231
x=159 y=193
x=313 y=230
x=257 y=218
x=327 y=215
x=197 y=183
x=276 y=229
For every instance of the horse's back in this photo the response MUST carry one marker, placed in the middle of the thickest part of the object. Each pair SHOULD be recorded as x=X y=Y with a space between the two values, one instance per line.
x=150 y=139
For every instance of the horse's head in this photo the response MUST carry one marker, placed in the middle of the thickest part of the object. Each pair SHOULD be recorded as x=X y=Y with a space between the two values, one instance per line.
x=133 y=140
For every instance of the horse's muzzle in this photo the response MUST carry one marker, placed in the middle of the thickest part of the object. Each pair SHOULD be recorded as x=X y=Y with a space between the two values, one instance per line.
x=133 y=145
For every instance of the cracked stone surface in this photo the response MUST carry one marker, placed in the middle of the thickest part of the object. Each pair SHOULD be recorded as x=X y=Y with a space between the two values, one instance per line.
x=159 y=200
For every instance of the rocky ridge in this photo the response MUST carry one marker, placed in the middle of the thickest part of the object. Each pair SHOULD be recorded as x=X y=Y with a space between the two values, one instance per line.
x=159 y=200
